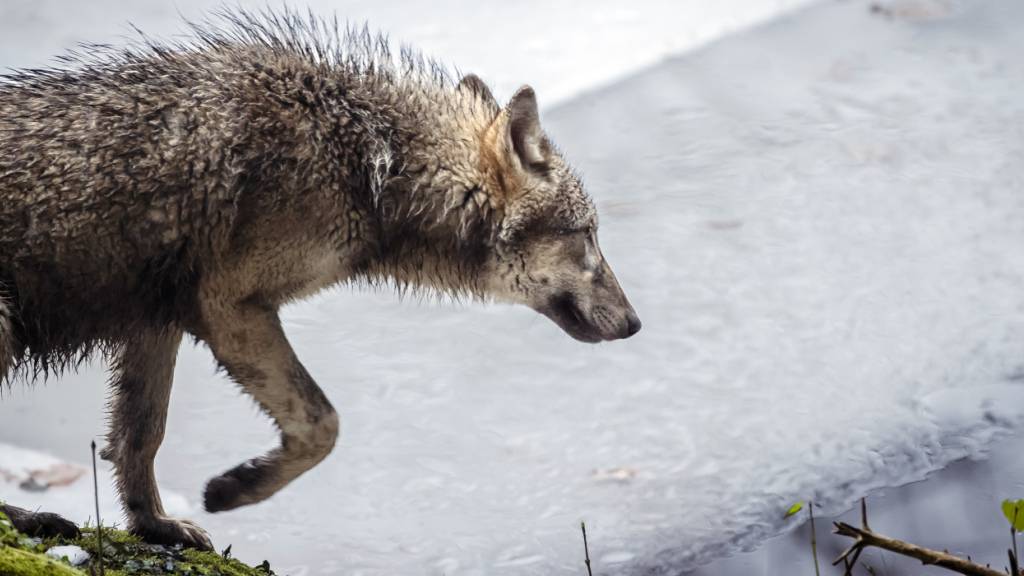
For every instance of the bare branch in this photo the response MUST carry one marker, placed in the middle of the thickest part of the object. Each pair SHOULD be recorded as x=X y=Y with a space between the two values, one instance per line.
x=864 y=537
x=99 y=523
x=814 y=538
x=586 y=548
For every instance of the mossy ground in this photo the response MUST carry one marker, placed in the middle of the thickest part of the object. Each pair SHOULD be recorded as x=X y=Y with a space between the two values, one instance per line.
x=123 y=555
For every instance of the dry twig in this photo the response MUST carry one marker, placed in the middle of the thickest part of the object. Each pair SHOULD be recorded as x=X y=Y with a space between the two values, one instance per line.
x=814 y=538
x=96 y=499
x=864 y=537
x=586 y=549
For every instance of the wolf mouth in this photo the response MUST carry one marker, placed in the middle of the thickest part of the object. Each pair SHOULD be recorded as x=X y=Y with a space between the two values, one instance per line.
x=565 y=311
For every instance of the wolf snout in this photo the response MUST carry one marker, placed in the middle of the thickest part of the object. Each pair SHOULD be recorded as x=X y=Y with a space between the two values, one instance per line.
x=633 y=324
x=615 y=323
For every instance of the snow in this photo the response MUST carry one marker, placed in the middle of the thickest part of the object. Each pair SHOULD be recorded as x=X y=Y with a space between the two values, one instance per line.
x=820 y=223
x=73 y=554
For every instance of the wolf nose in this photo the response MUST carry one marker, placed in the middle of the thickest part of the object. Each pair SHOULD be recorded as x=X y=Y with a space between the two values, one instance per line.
x=633 y=324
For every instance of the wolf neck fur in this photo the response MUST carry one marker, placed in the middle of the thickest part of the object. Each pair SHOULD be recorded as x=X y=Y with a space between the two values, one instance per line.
x=431 y=161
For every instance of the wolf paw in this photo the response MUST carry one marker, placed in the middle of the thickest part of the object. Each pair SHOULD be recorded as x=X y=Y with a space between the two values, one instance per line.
x=236 y=487
x=41 y=524
x=172 y=531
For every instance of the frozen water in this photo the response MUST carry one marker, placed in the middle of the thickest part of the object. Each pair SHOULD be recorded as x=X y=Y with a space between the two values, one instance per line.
x=820 y=223
x=956 y=509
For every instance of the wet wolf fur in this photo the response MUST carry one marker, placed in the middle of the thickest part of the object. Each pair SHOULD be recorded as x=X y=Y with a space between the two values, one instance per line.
x=195 y=188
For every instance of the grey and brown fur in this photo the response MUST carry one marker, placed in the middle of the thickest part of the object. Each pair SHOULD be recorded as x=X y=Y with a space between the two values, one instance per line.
x=193 y=189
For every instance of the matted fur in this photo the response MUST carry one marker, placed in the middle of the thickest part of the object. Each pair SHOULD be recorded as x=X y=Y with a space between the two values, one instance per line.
x=195 y=187
x=108 y=103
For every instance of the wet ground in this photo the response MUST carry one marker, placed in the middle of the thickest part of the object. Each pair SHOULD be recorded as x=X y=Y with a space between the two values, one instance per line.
x=820 y=223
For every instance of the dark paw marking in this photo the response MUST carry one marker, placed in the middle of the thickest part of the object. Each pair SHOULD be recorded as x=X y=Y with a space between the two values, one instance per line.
x=226 y=491
x=42 y=524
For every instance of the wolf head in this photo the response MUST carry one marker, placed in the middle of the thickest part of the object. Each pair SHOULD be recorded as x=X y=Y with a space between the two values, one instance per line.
x=544 y=252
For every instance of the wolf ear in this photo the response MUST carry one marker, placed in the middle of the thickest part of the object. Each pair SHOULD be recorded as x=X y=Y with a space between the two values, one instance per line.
x=525 y=132
x=472 y=84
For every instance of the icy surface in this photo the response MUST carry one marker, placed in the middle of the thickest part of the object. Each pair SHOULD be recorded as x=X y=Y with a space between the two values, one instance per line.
x=820 y=223
x=956 y=509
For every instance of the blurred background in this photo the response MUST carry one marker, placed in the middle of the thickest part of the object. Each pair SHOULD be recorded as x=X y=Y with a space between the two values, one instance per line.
x=816 y=208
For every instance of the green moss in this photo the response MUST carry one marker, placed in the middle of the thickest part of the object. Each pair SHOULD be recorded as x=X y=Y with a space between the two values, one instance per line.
x=218 y=564
x=123 y=555
x=17 y=562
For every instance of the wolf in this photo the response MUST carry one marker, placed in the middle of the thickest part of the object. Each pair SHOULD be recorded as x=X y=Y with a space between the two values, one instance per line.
x=164 y=190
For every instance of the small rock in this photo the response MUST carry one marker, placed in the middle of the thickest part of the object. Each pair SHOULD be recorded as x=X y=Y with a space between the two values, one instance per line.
x=620 y=475
x=617 y=557
x=914 y=10
x=58 y=474
x=74 y=555
x=30 y=484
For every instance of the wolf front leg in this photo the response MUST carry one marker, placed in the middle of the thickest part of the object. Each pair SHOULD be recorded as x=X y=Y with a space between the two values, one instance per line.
x=247 y=340
x=141 y=387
